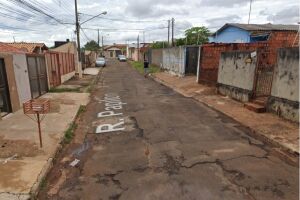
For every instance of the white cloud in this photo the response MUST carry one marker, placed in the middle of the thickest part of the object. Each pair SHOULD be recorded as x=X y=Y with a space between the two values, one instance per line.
x=152 y=14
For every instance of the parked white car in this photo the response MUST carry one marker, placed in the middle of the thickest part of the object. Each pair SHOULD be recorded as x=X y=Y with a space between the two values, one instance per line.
x=122 y=58
x=100 y=62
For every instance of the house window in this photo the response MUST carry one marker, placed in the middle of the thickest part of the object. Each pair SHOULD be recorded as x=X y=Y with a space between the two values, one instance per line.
x=111 y=54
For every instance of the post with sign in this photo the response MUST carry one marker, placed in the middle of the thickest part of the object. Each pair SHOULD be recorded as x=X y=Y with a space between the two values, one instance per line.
x=38 y=107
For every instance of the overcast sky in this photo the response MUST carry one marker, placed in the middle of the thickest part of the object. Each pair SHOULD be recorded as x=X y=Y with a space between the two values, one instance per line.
x=126 y=19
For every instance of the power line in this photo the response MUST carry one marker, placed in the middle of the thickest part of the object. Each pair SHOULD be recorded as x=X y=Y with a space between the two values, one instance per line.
x=34 y=8
x=129 y=21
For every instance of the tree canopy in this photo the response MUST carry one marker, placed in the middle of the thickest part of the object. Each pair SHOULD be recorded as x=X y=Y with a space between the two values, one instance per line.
x=193 y=36
x=196 y=35
x=159 y=45
x=92 y=46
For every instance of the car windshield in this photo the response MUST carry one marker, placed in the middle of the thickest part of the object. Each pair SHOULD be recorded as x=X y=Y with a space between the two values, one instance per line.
x=100 y=59
x=122 y=56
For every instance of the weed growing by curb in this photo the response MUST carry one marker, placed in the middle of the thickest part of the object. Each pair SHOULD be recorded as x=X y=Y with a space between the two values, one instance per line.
x=60 y=90
x=69 y=133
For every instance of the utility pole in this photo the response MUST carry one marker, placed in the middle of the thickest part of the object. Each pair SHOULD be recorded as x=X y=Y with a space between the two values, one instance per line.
x=250 y=11
x=168 y=32
x=77 y=32
x=173 y=20
x=138 y=47
x=102 y=42
x=98 y=37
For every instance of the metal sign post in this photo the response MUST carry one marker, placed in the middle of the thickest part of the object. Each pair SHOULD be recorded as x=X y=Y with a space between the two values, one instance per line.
x=37 y=107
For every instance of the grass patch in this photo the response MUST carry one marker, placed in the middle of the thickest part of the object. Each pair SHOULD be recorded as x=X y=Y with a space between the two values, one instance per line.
x=69 y=133
x=81 y=109
x=60 y=90
x=139 y=66
x=43 y=184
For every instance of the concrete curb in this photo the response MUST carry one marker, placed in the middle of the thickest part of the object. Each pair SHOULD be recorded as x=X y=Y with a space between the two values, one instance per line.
x=293 y=155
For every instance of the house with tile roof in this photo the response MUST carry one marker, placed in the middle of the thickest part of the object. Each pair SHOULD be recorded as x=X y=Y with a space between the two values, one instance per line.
x=8 y=48
x=29 y=47
x=248 y=33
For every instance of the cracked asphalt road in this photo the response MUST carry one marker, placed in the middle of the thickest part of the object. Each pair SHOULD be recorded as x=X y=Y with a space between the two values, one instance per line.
x=172 y=148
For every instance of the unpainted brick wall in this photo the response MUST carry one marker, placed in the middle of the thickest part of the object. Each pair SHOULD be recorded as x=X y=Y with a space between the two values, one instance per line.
x=210 y=53
x=210 y=57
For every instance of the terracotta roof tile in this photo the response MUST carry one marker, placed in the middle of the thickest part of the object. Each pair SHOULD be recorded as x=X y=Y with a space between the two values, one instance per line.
x=7 y=48
x=29 y=47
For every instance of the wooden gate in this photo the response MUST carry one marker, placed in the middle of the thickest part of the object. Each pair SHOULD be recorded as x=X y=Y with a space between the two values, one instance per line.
x=264 y=72
x=37 y=73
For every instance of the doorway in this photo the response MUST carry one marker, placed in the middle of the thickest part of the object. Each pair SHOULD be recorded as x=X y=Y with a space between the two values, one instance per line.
x=191 y=60
x=5 y=104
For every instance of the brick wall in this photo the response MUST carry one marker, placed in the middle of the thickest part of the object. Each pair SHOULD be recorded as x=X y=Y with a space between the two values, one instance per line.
x=210 y=53
x=210 y=57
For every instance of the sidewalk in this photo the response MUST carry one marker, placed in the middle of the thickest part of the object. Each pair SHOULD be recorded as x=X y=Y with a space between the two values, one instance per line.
x=265 y=126
x=22 y=163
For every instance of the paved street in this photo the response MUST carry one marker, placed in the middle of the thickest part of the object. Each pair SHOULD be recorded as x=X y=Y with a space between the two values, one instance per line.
x=157 y=144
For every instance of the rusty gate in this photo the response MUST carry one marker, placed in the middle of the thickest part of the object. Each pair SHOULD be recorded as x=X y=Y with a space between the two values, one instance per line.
x=266 y=60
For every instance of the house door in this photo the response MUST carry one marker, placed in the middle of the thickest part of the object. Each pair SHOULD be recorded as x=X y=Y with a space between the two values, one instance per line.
x=5 y=105
x=264 y=73
x=191 y=62
x=37 y=75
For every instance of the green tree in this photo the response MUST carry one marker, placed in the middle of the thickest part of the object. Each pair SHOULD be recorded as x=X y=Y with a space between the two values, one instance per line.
x=180 y=41
x=92 y=46
x=160 y=45
x=197 y=35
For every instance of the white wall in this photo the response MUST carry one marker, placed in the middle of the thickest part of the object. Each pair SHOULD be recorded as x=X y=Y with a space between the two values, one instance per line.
x=235 y=71
x=21 y=76
x=174 y=60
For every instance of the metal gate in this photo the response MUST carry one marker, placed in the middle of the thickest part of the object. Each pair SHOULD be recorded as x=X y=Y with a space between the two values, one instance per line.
x=37 y=75
x=264 y=72
x=5 y=105
x=191 y=62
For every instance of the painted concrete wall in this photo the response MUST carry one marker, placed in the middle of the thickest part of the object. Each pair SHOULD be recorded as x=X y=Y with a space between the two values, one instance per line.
x=286 y=74
x=231 y=35
x=284 y=99
x=174 y=60
x=236 y=73
x=157 y=57
x=21 y=76
x=234 y=70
